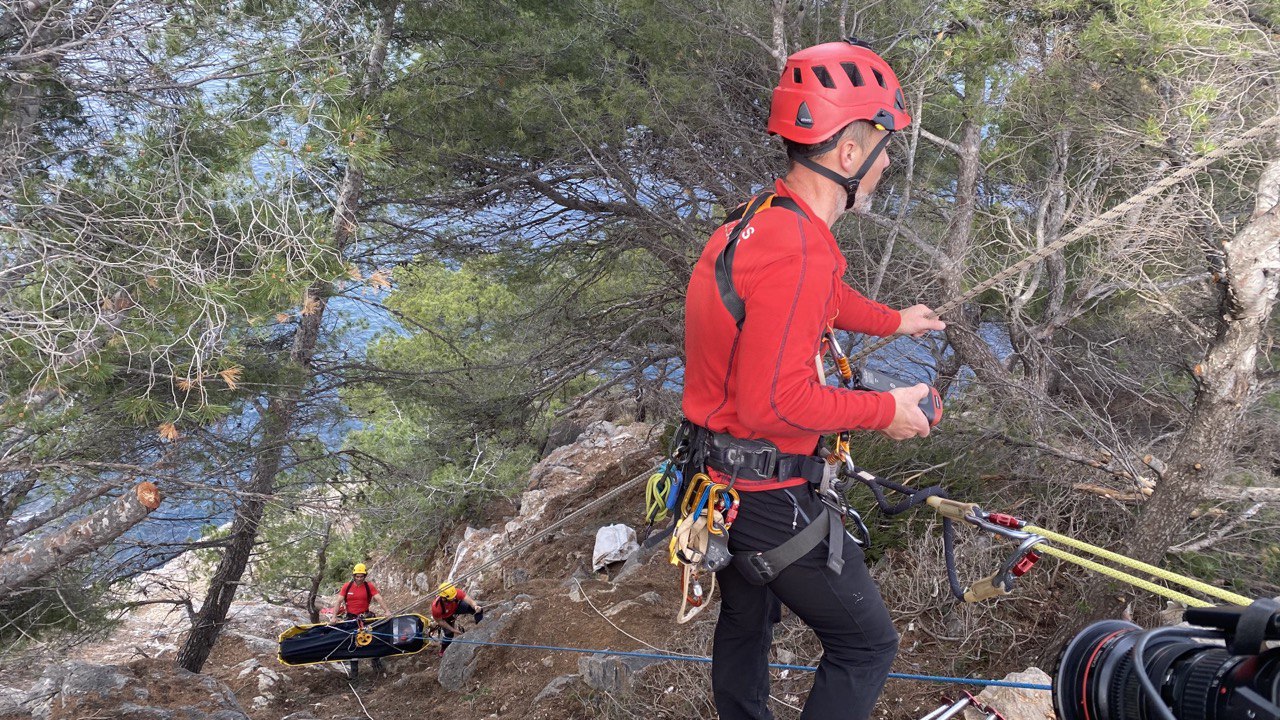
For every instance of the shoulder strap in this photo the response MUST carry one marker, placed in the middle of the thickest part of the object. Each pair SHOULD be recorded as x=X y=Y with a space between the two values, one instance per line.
x=741 y=217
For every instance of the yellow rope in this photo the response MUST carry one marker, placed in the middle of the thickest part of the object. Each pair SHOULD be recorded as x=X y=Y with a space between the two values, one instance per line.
x=655 y=496
x=1119 y=559
x=1123 y=577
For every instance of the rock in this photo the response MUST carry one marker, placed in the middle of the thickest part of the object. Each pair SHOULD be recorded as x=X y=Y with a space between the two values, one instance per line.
x=12 y=700
x=556 y=687
x=421 y=584
x=256 y=644
x=638 y=560
x=612 y=674
x=650 y=598
x=300 y=715
x=621 y=607
x=73 y=682
x=260 y=702
x=1018 y=703
x=129 y=711
x=459 y=661
x=80 y=689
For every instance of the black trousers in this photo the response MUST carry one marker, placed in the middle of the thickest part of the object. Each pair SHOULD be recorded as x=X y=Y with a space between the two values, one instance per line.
x=845 y=611
x=464 y=608
x=353 y=666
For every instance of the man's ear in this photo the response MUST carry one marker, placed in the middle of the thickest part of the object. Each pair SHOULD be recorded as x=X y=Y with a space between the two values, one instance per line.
x=850 y=155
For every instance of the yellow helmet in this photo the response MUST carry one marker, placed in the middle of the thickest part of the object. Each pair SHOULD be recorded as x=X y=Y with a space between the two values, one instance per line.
x=359 y=569
x=448 y=591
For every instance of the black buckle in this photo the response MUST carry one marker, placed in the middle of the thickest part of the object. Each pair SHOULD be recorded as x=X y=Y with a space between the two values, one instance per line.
x=757 y=458
x=761 y=566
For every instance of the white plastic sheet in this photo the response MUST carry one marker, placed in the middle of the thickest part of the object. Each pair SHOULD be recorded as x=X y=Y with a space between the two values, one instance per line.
x=613 y=544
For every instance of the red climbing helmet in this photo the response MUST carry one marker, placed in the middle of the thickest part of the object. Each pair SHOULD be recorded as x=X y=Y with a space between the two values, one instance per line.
x=828 y=86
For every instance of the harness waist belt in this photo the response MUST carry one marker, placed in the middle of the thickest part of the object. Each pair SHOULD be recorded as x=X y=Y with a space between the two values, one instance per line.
x=758 y=459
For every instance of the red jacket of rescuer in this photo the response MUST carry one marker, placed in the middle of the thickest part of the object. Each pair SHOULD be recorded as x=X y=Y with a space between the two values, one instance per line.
x=356 y=596
x=763 y=383
x=442 y=609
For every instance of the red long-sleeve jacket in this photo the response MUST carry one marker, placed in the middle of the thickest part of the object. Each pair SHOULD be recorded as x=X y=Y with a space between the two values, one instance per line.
x=762 y=382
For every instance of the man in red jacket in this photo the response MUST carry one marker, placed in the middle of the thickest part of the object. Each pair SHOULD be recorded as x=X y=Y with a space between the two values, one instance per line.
x=354 y=601
x=766 y=288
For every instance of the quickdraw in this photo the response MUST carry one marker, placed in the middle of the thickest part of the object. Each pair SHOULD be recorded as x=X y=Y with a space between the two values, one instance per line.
x=1018 y=562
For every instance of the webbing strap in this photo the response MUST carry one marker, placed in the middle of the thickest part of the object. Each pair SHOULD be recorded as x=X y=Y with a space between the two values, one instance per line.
x=851 y=183
x=741 y=217
x=760 y=568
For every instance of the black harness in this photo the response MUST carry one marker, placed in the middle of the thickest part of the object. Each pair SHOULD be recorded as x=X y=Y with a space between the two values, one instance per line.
x=741 y=217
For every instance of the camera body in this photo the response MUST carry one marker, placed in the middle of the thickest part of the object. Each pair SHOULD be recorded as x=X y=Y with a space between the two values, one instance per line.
x=1115 y=670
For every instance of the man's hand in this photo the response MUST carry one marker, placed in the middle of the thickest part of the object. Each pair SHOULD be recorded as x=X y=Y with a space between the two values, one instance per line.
x=908 y=420
x=918 y=320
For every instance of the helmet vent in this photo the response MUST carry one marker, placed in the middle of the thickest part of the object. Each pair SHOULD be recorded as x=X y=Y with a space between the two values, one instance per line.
x=803 y=118
x=795 y=75
x=879 y=78
x=898 y=103
x=824 y=77
x=855 y=76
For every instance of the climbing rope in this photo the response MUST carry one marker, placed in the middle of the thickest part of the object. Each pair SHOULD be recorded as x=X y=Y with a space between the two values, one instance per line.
x=1089 y=226
x=1037 y=540
x=1119 y=559
x=777 y=666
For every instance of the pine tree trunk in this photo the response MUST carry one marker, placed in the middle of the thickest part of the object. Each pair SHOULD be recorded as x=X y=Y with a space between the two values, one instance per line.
x=962 y=329
x=282 y=410
x=321 y=565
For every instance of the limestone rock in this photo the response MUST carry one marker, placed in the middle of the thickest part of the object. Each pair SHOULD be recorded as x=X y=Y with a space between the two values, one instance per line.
x=12 y=700
x=639 y=560
x=556 y=687
x=612 y=674
x=604 y=452
x=1018 y=703
x=77 y=689
x=459 y=661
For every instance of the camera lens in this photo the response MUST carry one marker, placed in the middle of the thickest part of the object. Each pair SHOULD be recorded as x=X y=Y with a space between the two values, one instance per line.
x=1097 y=677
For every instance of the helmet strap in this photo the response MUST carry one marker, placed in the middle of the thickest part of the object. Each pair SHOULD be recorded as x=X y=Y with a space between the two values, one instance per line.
x=850 y=184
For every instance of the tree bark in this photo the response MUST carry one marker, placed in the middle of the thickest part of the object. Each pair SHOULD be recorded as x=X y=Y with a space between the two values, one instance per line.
x=962 y=330
x=321 y=565
x=282 y=410
x=39 y=558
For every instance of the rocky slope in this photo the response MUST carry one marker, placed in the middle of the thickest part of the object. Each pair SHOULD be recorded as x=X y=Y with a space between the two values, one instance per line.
x=546 y=595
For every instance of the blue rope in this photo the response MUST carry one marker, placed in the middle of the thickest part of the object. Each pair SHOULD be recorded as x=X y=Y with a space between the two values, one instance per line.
x=777 y=666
